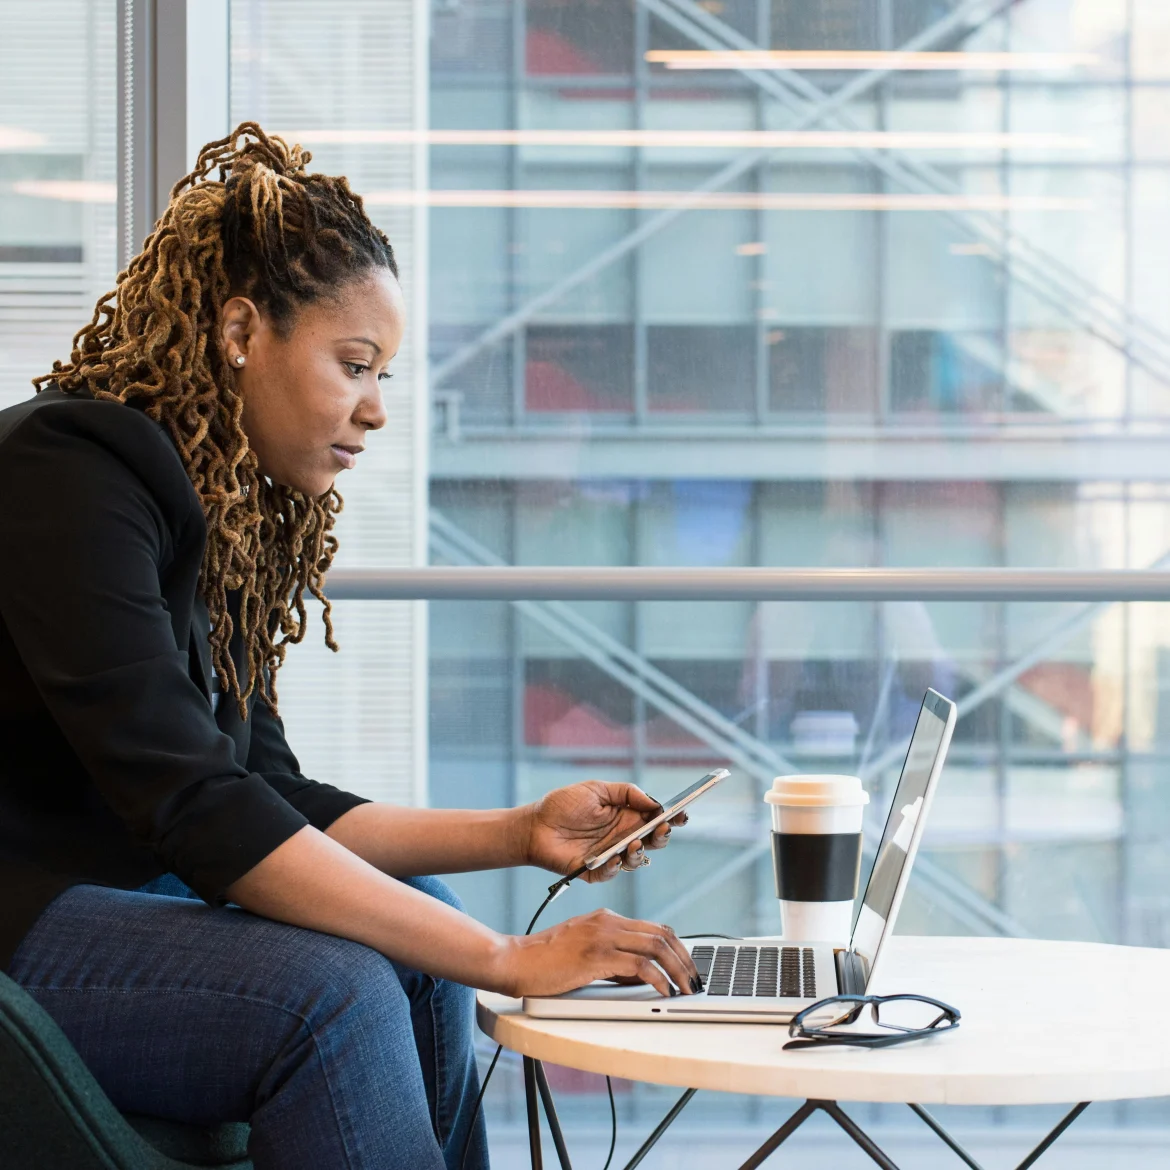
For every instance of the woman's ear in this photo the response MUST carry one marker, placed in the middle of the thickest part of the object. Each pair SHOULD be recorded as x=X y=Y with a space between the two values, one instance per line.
x=239 y=325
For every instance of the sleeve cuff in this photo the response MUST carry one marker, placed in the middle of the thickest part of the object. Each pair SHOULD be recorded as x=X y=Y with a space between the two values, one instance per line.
x=240 y=821
x=321 y=804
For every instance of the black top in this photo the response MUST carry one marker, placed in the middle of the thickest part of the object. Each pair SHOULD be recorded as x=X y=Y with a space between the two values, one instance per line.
x=113 y=767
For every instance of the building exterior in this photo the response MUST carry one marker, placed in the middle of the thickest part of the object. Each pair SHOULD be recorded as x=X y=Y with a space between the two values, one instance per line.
x=899 y=351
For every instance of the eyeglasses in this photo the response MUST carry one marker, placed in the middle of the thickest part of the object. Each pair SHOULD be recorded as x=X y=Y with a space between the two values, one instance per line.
x=904 y=1017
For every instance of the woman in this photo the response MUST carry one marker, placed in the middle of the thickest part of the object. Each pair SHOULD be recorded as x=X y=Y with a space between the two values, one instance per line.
x=220 y=937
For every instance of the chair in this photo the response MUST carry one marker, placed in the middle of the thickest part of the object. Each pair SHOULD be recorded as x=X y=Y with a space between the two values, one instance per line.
x=53 y=1112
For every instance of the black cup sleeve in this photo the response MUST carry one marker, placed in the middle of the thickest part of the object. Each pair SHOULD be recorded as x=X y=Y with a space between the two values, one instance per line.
x=816 y=867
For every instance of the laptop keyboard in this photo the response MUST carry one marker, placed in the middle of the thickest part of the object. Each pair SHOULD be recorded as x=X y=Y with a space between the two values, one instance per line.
x=752 y=971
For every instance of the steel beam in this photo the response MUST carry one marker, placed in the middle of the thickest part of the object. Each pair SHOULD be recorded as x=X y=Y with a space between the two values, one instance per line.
x=1043 y=274
x=758 y=759
x=1139 y=341
x=936 y=34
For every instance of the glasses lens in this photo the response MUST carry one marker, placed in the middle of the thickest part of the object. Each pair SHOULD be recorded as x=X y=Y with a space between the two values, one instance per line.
x=830 y=1012
x=907 y=1014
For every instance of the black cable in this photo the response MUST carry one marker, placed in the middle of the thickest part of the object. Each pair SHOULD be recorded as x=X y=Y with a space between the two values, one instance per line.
x=554 y=892
x=478 y=1103
x=612 y=1123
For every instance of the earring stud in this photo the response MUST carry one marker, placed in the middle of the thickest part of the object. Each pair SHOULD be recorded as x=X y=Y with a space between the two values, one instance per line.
x=239 y=359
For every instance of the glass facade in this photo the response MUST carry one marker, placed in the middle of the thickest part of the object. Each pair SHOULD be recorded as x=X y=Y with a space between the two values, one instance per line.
x=926 y=330
x=784 y=317
x=919 y=331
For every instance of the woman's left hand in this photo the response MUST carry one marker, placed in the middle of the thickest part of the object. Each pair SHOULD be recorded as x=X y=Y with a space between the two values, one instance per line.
x=570 y=824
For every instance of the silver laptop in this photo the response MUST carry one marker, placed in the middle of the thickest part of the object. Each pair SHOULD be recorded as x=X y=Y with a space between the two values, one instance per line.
x=764 y=979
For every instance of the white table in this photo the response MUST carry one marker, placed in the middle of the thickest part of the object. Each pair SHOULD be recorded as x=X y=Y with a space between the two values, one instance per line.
x=1042 y=1022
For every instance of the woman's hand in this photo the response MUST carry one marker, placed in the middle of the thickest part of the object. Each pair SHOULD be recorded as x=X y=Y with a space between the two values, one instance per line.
x=570 y=824
x=601 y=945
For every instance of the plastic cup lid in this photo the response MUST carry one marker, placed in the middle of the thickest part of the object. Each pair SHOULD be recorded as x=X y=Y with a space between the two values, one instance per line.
x=814 y=791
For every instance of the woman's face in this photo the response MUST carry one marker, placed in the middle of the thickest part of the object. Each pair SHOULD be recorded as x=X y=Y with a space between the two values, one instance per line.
x=311 y=397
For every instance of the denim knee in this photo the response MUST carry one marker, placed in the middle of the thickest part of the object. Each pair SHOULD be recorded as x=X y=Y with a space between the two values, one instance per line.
x=437 y=889
x=339 y=979
x=459 y=997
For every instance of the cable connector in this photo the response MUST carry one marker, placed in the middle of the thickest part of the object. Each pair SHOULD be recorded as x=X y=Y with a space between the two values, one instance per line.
x=560 y=886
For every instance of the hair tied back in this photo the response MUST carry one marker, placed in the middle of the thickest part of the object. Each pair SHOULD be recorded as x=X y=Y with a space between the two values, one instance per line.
x=265 y=228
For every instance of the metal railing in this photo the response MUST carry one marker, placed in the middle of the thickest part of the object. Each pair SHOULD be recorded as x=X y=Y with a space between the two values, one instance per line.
x=578 y=583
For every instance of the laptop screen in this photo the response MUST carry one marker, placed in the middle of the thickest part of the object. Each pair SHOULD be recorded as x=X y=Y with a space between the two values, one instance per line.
x=891 y=857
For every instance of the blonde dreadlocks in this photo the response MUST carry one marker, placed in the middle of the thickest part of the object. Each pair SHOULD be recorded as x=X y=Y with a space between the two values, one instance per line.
x=268 y=230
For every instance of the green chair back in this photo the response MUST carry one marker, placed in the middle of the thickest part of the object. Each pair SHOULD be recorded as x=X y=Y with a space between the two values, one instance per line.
x=53 y=1112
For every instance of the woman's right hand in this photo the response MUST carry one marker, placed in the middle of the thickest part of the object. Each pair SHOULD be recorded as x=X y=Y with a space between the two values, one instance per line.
x=600 y=945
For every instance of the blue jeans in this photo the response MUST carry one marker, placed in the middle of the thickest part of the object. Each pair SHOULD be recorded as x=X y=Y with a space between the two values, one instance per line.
x=339 y=1057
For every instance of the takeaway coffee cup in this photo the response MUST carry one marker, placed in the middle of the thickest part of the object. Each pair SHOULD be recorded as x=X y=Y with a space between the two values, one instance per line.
x=816 y=853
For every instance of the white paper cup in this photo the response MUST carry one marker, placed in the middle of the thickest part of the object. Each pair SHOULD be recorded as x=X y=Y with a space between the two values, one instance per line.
x=816 y=853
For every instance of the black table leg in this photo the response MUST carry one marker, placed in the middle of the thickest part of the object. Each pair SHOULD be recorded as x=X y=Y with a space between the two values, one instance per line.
x=550 y=1112
x=781 y=1135
x=533 y=1114
x=856 y=1133
x=1030 y=1160
x=946 y=1137
x=801 y=1116
x=536 y=1082
x=1065 y=1122
x=660 y=1129
x=536 y=1087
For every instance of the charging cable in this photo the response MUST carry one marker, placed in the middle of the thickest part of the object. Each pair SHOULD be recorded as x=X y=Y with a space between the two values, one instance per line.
x=554 y=892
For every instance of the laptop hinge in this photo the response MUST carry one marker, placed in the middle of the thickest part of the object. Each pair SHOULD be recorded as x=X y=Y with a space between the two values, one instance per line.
x=851 y=973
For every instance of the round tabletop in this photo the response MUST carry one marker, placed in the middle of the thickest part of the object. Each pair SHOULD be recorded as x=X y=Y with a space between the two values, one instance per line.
x=1042 y=1022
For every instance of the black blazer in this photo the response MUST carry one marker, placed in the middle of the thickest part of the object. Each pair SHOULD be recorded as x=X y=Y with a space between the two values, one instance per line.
x=113 y=767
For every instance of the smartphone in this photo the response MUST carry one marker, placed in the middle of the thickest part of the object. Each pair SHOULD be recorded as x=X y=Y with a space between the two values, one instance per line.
x=677 y=802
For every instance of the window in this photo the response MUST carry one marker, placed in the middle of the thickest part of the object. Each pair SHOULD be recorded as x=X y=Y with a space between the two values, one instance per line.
x=58 y=162
x=939 y=338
